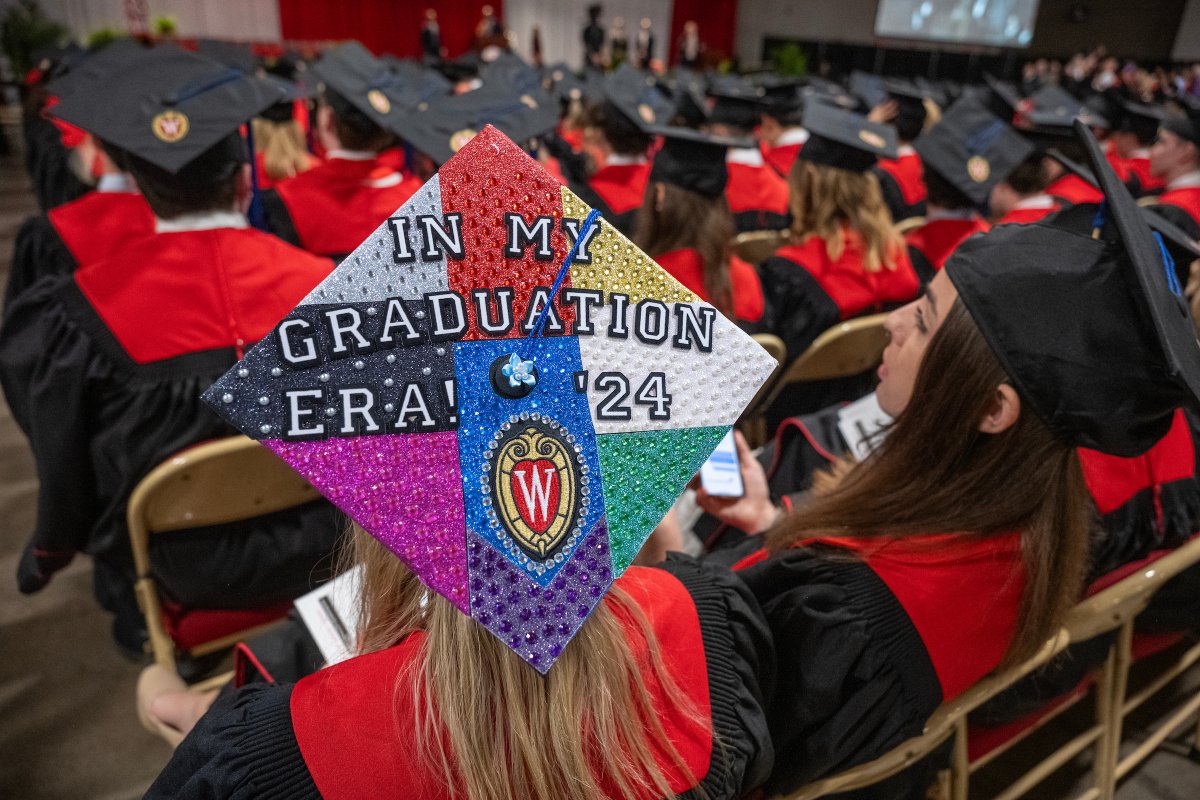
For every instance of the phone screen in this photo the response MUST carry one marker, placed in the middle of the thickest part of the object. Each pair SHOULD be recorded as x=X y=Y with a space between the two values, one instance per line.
x=721 y=475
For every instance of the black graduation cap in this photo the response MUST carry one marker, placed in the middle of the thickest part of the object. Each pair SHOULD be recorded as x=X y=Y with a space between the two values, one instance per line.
x=910 y=106
x=737 y=108
x=236 y=55
x=1081 y=217
x=96 y=66
x=409 y=84
x=511 y=71
x=693 y=160
x=779 y=88
x=1001 y=98
x=360 y=79
x=637 y=97
x=1140 y=119
x=844 y=139
x=972 y=149
x=564 y=83
x=826 y=91
x=1094 y=332
x=690 y=93
x=1186 y=124
x=931 y=90
x=868 y=88
x=440 y=129
x=1052 y=107
x=168 y=106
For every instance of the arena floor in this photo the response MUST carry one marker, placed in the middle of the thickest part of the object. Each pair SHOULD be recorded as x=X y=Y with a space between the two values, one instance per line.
x=67 y=722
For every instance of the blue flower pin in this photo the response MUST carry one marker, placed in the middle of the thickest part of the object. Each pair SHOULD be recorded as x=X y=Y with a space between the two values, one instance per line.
x=519 y=371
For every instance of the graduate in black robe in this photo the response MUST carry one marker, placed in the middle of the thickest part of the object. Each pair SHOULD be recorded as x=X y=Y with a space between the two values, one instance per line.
x=103 y=368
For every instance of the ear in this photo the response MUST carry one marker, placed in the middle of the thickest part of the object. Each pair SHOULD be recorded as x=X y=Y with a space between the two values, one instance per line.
x=244 y=192
x=1004 y=412
x=660 y=196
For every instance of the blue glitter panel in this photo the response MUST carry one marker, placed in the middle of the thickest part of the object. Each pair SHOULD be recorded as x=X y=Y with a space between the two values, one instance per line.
x=537 y=620
x=485 y=417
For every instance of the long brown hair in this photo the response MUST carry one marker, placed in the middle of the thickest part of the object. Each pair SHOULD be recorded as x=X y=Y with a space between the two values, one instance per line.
x=935 y=472
x=686 y=219
x=282 y=146
x=823 y=198
x=491 y=727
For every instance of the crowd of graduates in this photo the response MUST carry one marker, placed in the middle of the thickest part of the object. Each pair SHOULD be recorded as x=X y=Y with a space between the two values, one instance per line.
x=1044 y=434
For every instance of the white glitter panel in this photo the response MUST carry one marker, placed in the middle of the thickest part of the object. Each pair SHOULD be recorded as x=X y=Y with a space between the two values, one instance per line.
x=371 y=273
x=706 y=389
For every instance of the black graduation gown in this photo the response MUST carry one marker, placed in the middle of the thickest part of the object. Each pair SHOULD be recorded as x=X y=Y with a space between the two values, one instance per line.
x=247 y=743
x=49 y=164
x=98 y=373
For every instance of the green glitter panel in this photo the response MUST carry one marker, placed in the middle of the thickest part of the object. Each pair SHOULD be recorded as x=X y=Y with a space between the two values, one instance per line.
x=643 y=473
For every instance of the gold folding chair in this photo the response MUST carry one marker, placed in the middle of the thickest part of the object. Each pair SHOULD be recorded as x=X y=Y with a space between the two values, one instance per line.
x=1148 y=201
x=757 y=246
x=909 y=223
x=217 y=482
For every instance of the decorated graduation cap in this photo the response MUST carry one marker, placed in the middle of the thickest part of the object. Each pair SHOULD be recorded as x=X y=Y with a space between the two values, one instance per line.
x=694 y=160
x=173 y=109
x=1094 y=331
x=844 y=139
x=502 y=389
x=972 y=149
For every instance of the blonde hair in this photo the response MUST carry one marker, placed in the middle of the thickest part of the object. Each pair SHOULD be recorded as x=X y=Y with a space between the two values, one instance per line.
x=283 y=148
x=822 y=199
x=496 y=729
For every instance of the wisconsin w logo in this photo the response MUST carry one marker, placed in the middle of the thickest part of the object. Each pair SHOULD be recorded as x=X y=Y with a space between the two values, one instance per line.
x=534 y=485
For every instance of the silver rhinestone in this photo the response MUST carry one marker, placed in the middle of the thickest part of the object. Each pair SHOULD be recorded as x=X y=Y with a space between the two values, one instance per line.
x=391 y=358
x=558 y=558
x=276 y=372
x=426 y=370
x=227 y=398
x=360 y=364
x=505 y=426
x=371 y=311
x=329 y=412
x=420 y=314
x=388 y=382
x=524 y=415
x=264 y=428
x=243 y=373
x=264 y=400
x=441 y=351
x=323 y=377
x=389 y=407
x=513 y=419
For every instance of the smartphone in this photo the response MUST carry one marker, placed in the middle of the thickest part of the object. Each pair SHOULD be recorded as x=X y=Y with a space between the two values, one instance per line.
x=721 y=475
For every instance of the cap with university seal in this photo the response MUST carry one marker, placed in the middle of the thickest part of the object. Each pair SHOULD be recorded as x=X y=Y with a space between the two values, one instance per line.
x=168 y=106
x=359 y=78
x=440 y=129
x=972 y=149
x=635 y=94
x=1093 y=330
x=502 y=389
x=844 y=139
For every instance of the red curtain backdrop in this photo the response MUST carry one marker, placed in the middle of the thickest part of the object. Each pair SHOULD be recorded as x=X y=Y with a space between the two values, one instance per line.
x=384 y=26
x=717 y=20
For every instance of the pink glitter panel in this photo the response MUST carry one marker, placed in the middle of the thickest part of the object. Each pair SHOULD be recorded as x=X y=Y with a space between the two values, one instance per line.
x=406 y=490
x=489 y=177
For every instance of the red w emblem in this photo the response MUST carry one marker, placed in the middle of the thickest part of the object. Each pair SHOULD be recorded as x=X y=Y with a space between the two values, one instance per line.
x=535 y=488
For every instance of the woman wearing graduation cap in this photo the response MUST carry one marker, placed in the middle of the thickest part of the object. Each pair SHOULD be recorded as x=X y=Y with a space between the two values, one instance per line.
x=844 y=258
x=685 y=224
x=507 y=648
x=960 y=543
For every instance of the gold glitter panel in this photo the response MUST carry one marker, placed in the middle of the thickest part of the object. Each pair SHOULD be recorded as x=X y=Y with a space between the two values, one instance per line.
x=618 y=266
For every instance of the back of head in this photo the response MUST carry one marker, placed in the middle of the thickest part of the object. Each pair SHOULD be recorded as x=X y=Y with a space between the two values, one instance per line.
x=824 y=198
x=207 y=183
x=576 y=732
x=623 y=135
x=1029 y=177
x=354 y=129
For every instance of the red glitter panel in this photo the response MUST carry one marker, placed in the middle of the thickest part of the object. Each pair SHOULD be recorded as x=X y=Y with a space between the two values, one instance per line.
x=487 y=178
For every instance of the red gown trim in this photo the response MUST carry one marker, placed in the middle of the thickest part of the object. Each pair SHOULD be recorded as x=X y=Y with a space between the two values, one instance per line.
x=355 y=732
x=621 y=186
x=198 y=290
x=1113 y=481
x=685 y=266
x=99 y=223
x=854 y=290
x=909 y=174
x=936 y=240
x=334 y=207
x=1026 y=216
x=1074 y=190
x=781 y=158
x=1188 y=199
x=753 y=188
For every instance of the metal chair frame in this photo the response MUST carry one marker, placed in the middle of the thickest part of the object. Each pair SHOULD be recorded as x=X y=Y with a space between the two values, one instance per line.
x=209 y=484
